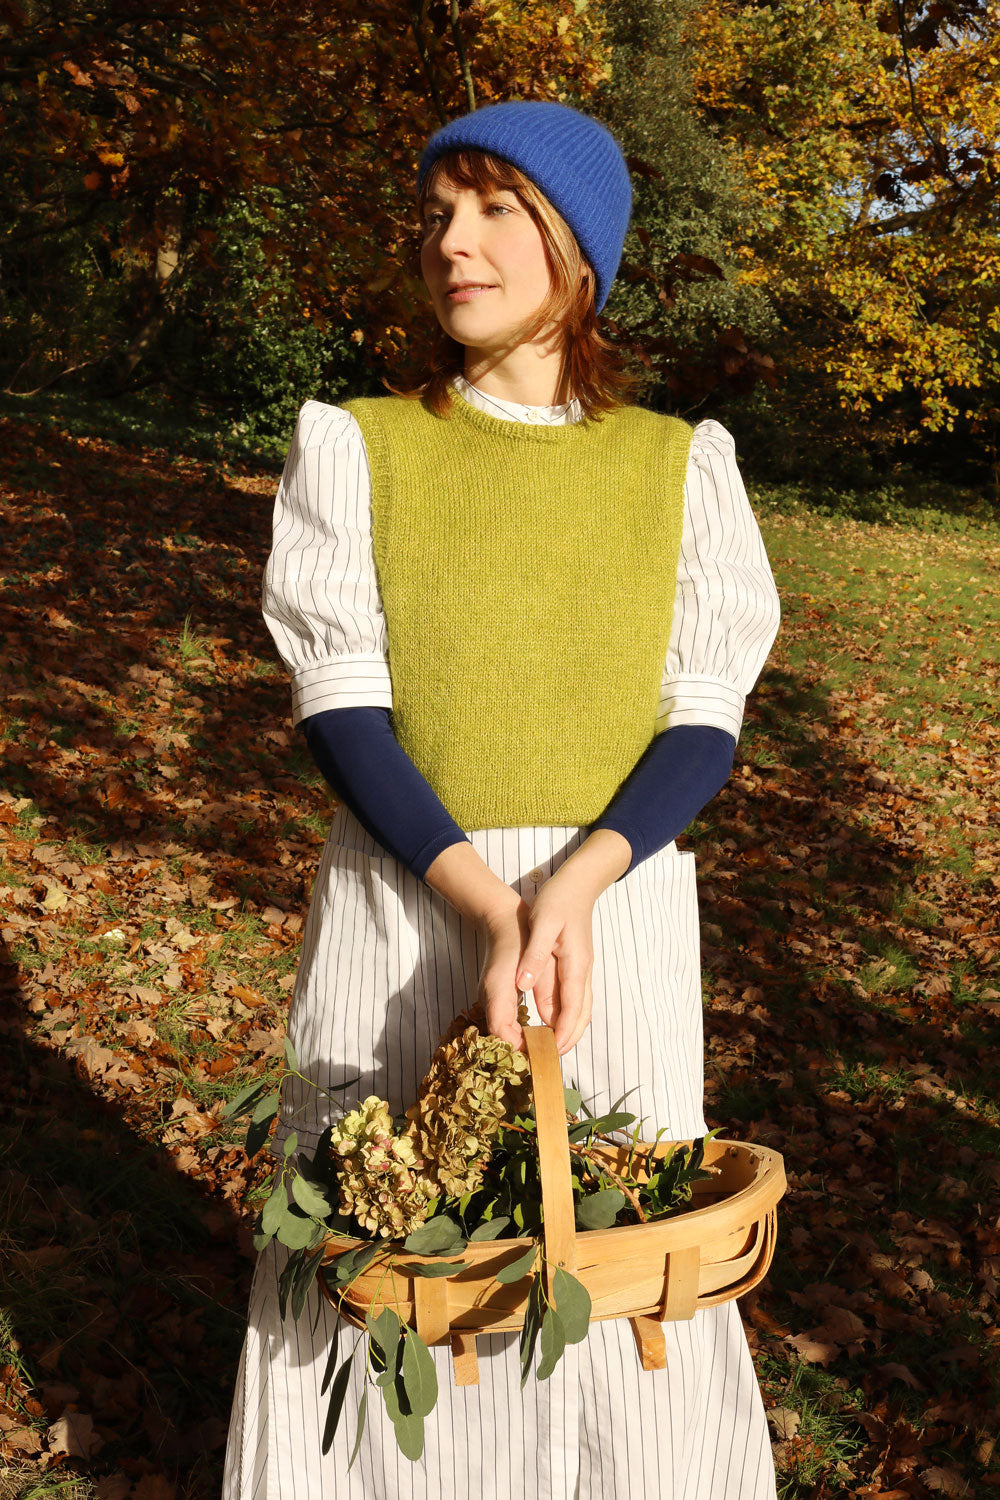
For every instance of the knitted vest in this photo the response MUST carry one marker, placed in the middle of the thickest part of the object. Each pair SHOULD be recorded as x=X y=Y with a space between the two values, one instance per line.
x=527 y=575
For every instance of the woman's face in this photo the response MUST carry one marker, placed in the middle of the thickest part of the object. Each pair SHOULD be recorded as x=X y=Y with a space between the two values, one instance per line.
x=484 y=262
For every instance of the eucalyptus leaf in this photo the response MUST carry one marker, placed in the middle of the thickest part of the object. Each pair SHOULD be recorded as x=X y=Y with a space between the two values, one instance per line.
x=440 y=1236
x=438 y=1268
x=287 y=1278
x=275 y=1209
x=419 y=1375
x=290 y=1057
x=243 y=1099
x=410 y=1434
x=309 y=1198
x=267 y=1107
x=492 y=1229
x=337 y=1393
x=390 y=1381
x=362 y=1411
x=352 y=1262
x=304 y=1279
x=386 y=1330
x=517 y=1269
x=552 y=1343
x=604 y=1124
x=261 y=1241
x=346 y=1083
x=599 y=1210
x=295 y=1231
x=377 y=1361
x=340 y=1267
x=573 y=1303
x=532 y=1323
x=331 y=1359
x=291 y=1144
x=573 y=1099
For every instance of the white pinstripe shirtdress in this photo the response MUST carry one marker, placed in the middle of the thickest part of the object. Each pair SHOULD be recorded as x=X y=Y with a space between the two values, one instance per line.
x=386 y=963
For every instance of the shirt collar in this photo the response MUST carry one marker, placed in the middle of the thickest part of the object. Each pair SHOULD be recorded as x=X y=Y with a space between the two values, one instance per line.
x=515 y=411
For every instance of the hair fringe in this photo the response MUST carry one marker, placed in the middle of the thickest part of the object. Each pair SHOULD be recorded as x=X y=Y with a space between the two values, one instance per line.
x=593 y=366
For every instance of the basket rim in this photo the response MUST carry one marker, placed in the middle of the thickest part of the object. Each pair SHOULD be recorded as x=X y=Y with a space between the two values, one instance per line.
x=760 y=1195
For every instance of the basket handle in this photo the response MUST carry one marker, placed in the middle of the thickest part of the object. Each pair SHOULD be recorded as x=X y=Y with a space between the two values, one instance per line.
x=553 y=1149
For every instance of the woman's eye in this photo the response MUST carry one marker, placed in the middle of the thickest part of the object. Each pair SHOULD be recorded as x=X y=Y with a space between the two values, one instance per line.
x=436 y=217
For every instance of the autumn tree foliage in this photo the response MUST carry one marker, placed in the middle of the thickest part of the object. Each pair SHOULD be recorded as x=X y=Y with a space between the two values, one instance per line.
x=137 y=136
x=217 y=198
x=868 y=130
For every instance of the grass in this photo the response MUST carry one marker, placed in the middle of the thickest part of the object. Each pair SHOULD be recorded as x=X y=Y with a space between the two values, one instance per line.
x=827 y=1436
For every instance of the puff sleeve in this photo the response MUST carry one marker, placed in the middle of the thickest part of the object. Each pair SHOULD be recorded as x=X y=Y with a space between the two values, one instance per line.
x=320 y=597
x=726 y=609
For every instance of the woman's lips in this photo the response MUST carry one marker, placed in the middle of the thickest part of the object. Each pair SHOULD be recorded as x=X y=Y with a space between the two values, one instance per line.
x=467 y=293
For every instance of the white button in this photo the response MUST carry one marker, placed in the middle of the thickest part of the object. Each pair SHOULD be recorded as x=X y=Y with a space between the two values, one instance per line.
x=536 y=875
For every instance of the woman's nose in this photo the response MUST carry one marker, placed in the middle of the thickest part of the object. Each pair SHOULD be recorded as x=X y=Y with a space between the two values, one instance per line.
x=459 y=237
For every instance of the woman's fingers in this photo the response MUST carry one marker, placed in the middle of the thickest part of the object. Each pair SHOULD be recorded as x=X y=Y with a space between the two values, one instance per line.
x=545 y=990
x=583 y=1019
x=497 y=989
x=541 y=944
x=575 y=1002
x=557 y=961
x=500 y=1003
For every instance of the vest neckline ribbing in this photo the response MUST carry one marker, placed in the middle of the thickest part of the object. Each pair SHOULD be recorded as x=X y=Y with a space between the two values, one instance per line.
x=515 y=431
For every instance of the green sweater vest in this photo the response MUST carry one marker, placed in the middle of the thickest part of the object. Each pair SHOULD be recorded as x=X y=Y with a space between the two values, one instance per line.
x=527 y=575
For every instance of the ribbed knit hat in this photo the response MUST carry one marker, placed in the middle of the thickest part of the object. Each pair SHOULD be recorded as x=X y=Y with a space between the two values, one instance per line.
x=572 y=158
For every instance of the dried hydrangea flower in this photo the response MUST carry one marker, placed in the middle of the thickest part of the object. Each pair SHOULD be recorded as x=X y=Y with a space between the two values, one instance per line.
x=378 y=1171
x=474 y=1082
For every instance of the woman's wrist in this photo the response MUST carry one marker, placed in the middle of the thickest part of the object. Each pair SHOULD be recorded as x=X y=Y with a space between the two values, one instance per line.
x=600 y=860
x=467 y=883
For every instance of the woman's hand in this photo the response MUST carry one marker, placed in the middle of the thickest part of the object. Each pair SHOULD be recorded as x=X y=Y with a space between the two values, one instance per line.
x=547 y=947
x=502 y=929
x=559 y=957
x=558 y=962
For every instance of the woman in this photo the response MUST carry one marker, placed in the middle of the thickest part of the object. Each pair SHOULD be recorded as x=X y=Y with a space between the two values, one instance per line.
x=562 y=600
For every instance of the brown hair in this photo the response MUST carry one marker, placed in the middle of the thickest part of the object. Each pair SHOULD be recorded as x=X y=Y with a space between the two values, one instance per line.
x=592 y=364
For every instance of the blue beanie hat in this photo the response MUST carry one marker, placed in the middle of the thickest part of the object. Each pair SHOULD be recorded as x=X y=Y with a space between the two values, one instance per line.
x=572 y=158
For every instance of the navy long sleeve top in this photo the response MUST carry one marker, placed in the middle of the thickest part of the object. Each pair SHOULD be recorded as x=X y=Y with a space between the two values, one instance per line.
x=358 y=754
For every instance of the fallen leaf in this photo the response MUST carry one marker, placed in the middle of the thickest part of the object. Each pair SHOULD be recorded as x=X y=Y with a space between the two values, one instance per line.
x=74 y=1435
x=945 y=1481
x=112 y=1487
x=154 y=1487
x=784 y=1421
x=812 y=1350
x=24 y=1440
x=901 y=1372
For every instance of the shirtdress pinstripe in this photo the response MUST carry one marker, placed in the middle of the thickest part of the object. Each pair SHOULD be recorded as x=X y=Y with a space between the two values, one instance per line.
x=386 y=963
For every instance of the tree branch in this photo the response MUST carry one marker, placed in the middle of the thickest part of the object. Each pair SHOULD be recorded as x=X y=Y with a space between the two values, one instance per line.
x=417 y=26
x=456 y=33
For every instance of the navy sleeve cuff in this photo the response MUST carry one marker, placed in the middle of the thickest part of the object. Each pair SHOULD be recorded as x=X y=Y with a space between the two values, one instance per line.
x=678 y=774
x=364 y=763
